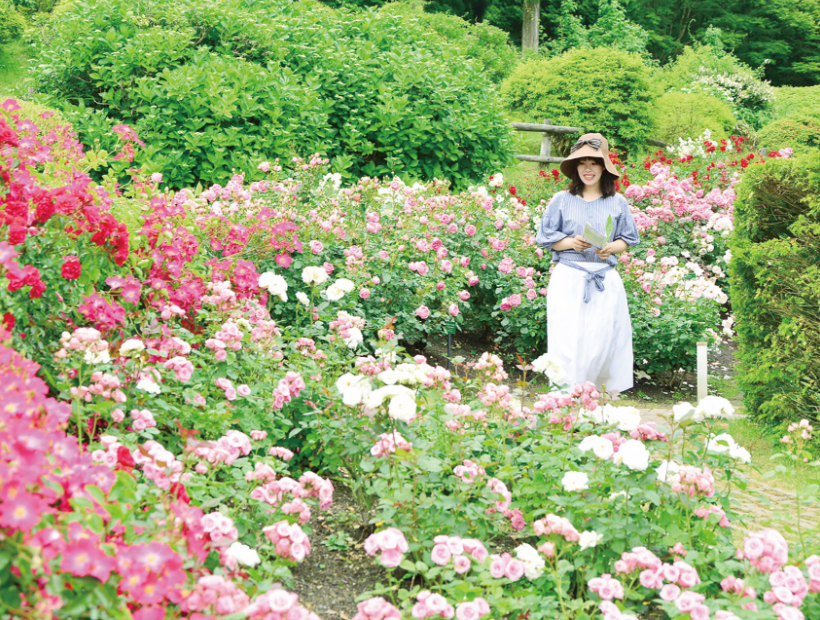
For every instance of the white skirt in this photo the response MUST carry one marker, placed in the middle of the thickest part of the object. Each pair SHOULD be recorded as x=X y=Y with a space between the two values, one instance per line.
x=592 y=341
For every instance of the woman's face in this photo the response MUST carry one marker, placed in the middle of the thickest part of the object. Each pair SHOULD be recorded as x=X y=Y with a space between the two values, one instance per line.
x=590 y=171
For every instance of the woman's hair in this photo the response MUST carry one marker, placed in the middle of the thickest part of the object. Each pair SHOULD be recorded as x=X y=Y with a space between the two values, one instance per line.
x=576 y=185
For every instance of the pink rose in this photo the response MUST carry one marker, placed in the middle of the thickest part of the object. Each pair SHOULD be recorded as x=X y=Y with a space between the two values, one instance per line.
x=244 y=391
x=514 y=570
x=470 y=230
x=230 y=393
x=316 y=247
x=422 y=312
x=364 y=293
x=497 y=568
x=118 y=415
x=467 y=611
x=669 y=592
x=464 y=295
x=441 y=554
x=462 y=564
x=453 y=309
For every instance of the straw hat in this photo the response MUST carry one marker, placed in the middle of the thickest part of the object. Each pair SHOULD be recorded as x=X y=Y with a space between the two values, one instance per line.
x=588 y=145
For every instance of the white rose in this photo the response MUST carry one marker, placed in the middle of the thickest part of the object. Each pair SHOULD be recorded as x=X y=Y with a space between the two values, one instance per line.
x=131 y=346
x=628 y=419
x=575 y=481
x=533 y=562
x=357 y=392
x=682 y=410
x=243 y=554
x=276 y=285
x=402 y=407
x=303 y=299
x=314 y=275
x=600 y=446
x=146 y=384
x=633 y=454
x=335 y=292
x=392 y=376
x=345 y=381
x=354 y=337
x=344 y=284
x=668 y=472
x=589 y=539
x=549 y=367
x=714 y=407
x=97 y=357
x=726 y=443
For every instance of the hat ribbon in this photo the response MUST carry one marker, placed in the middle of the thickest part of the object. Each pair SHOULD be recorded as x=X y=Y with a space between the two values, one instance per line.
x=595 y=143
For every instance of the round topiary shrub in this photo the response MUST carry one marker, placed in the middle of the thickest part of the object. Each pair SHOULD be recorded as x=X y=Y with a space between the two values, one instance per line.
x=686 y=115
x=12 y=23
x=599 y=89
x=801 y=133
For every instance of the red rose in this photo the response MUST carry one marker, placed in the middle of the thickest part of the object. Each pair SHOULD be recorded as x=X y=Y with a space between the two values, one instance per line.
x=17 y=233
x=125 y=458
x=71 y=267
x=8 y=321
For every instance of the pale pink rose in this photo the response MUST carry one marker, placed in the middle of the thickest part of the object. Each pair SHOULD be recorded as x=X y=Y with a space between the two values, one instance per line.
x=670 y=592
x=462 y=564
x=699 y=612
x=258 y=435
x=515 y=570
x=467 y=611
x=118 y=415
x=464 y=295
x=243 y=390
x=453 y=310
x=391 y=557
x=316 y=247
x=364 y=293
x=470 y=230
x=230 y=393
x=497 y=568
x=201 y=468
x=264 y=166
x=548 y=549
x=422 y=312
x=441 y=554
x=156 y=177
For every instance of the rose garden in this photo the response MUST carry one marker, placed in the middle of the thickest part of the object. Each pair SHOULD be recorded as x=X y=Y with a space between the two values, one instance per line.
x=207 y=354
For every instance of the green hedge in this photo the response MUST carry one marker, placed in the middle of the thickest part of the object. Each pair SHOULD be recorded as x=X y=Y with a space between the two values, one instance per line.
x=801 y=133
x=775 y=288
x=600 y=90
x=797 y=100
x=686 y=115
x=217 y=86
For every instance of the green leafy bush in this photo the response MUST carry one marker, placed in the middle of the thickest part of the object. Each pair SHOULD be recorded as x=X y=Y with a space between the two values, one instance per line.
x=686 y=115
x=216 y=86
x=601 y=89
x=486 y=44
x=801 y=133
x=12 y=23
x=712 y=70
x=775 y=288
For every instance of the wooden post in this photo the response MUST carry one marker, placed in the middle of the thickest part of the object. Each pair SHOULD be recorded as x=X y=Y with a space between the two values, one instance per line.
x=546 y=145
x=529 y=30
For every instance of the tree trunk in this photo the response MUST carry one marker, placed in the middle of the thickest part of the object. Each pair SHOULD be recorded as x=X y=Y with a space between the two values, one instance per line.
x=529 y=31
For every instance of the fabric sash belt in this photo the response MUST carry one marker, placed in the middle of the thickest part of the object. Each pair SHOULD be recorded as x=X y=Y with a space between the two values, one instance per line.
x=592 y=276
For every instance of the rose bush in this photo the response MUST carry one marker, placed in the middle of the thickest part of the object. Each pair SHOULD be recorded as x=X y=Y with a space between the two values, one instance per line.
x=203 y=354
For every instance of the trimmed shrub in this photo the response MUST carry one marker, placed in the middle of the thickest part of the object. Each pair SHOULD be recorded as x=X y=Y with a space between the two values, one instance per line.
x=600 y=89
x=801 y=133
x=44 y=117
x=775 y=288
x=797 y=100
x=12 y=23
x=218 y=86
x=686 y=115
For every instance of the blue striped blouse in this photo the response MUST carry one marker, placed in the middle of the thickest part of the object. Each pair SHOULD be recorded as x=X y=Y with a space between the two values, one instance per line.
x=566 y=215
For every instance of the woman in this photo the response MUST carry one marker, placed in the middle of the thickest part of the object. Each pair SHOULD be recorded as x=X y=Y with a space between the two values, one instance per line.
x=589 y=331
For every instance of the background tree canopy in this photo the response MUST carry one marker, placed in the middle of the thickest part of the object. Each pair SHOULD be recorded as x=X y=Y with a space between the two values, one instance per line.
x=783 y=35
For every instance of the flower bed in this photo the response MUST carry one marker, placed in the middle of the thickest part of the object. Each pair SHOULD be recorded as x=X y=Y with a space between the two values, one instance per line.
x=200 y=356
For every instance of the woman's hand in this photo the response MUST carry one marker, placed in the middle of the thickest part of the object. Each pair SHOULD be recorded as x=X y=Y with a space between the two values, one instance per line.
x=577 y=243
x=605 y=252
x=613 y=247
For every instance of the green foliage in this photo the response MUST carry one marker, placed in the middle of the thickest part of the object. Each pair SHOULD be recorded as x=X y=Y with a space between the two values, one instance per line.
x=44 y=117
x=601 y=89
x=685 y=115
x=801 y=133
x=218 y=86
x=710 y=69
x=792 y=101
x=775 y=278
x=12 y=23
x=610 y=29
x=486 y=44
